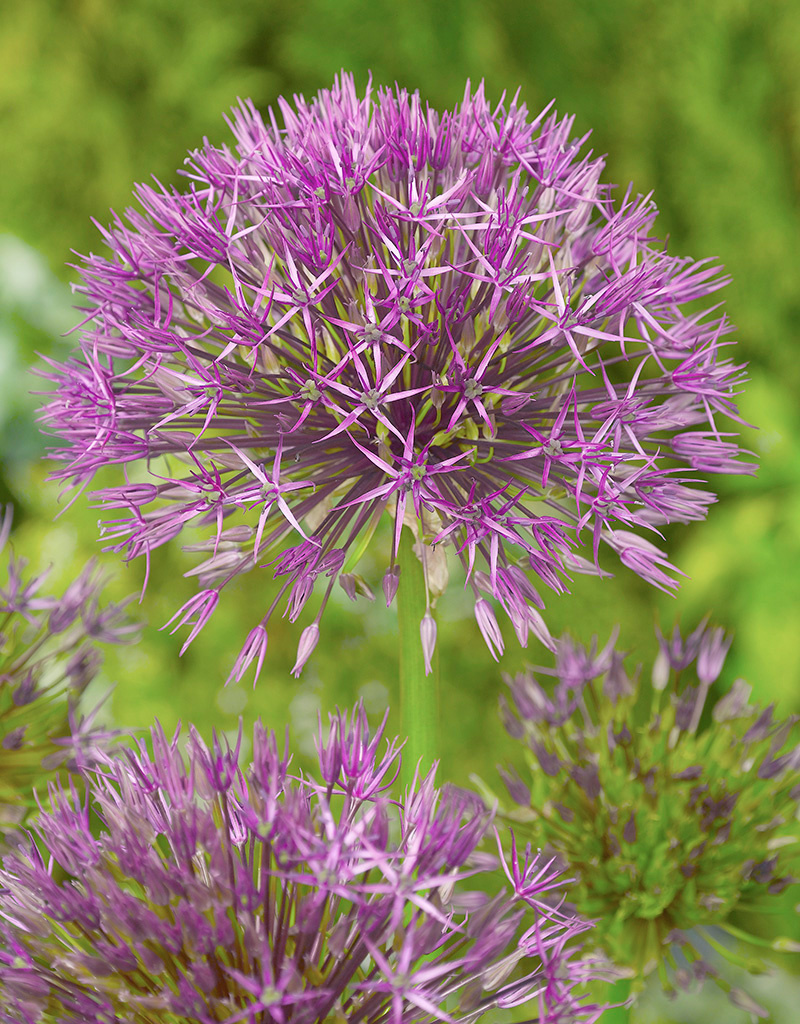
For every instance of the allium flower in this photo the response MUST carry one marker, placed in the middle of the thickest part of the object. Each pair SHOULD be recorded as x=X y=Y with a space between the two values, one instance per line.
x=671 y=824
x=380 y=309
x=48 y=655
x=218 y=891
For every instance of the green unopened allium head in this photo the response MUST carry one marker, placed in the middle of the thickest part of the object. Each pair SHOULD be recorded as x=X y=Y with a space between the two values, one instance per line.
x=672 y=817
x=48 y=655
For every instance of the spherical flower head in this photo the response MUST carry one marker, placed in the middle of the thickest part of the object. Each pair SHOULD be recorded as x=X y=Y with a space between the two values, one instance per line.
x=219 y=891
x=380 y=312
x=49 y=652
x=671 y=824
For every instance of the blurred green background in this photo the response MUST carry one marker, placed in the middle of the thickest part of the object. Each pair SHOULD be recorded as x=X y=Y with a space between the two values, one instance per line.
x=698 y=101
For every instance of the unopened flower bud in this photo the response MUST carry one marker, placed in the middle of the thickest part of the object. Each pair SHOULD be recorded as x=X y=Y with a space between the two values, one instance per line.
x=391 y=581
x=308 y=641
x=427 y=632
x=713 y=650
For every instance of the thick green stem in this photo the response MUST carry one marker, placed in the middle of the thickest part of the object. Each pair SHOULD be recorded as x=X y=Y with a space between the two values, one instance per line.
x=419 y=694
x=617 y=993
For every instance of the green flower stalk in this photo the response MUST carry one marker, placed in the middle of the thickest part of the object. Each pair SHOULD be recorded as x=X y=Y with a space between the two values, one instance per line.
x=673 y=815
x=48 y=655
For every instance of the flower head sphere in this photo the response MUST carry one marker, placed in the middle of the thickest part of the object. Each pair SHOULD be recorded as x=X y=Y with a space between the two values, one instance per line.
x=379 y=309
x=49 y=653
x=216 y=891
x=671 y=824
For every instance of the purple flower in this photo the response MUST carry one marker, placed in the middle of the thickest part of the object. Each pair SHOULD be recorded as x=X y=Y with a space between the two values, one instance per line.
x=382 y=311
x=216 y=890
x=672 y=820
x=713 y=651
x=48 y=655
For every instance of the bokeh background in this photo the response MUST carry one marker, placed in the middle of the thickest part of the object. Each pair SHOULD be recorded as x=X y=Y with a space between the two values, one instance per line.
x=697 y=100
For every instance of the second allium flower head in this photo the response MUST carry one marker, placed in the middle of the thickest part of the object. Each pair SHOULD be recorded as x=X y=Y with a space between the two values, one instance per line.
x=218 y=891
x=381 y=309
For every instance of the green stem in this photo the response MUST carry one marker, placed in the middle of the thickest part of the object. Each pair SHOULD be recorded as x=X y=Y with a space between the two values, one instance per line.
x=617 y=993
x=419 y=694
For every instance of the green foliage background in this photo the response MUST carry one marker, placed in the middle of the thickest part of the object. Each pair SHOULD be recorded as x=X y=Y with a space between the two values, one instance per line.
x=698 y=100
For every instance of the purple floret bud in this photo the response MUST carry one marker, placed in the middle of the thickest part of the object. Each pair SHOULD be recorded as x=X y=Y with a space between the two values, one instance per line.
x=305 y=648
x=714 y=648
x=391 y=581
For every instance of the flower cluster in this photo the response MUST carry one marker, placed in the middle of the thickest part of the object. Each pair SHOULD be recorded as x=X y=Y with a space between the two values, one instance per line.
x=378 y=311
x=48 y=655
x=672 y=814
x=215 y=891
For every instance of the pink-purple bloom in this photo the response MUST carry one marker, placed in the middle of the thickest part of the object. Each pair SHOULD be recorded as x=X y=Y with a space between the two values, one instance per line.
x=380 y=310
x=213 y=890
x=49 y=653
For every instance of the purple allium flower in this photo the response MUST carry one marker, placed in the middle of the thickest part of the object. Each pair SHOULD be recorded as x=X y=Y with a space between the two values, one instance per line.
x=379 y=309
x=672 y=823
x=48 y=655
x=217 y=891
